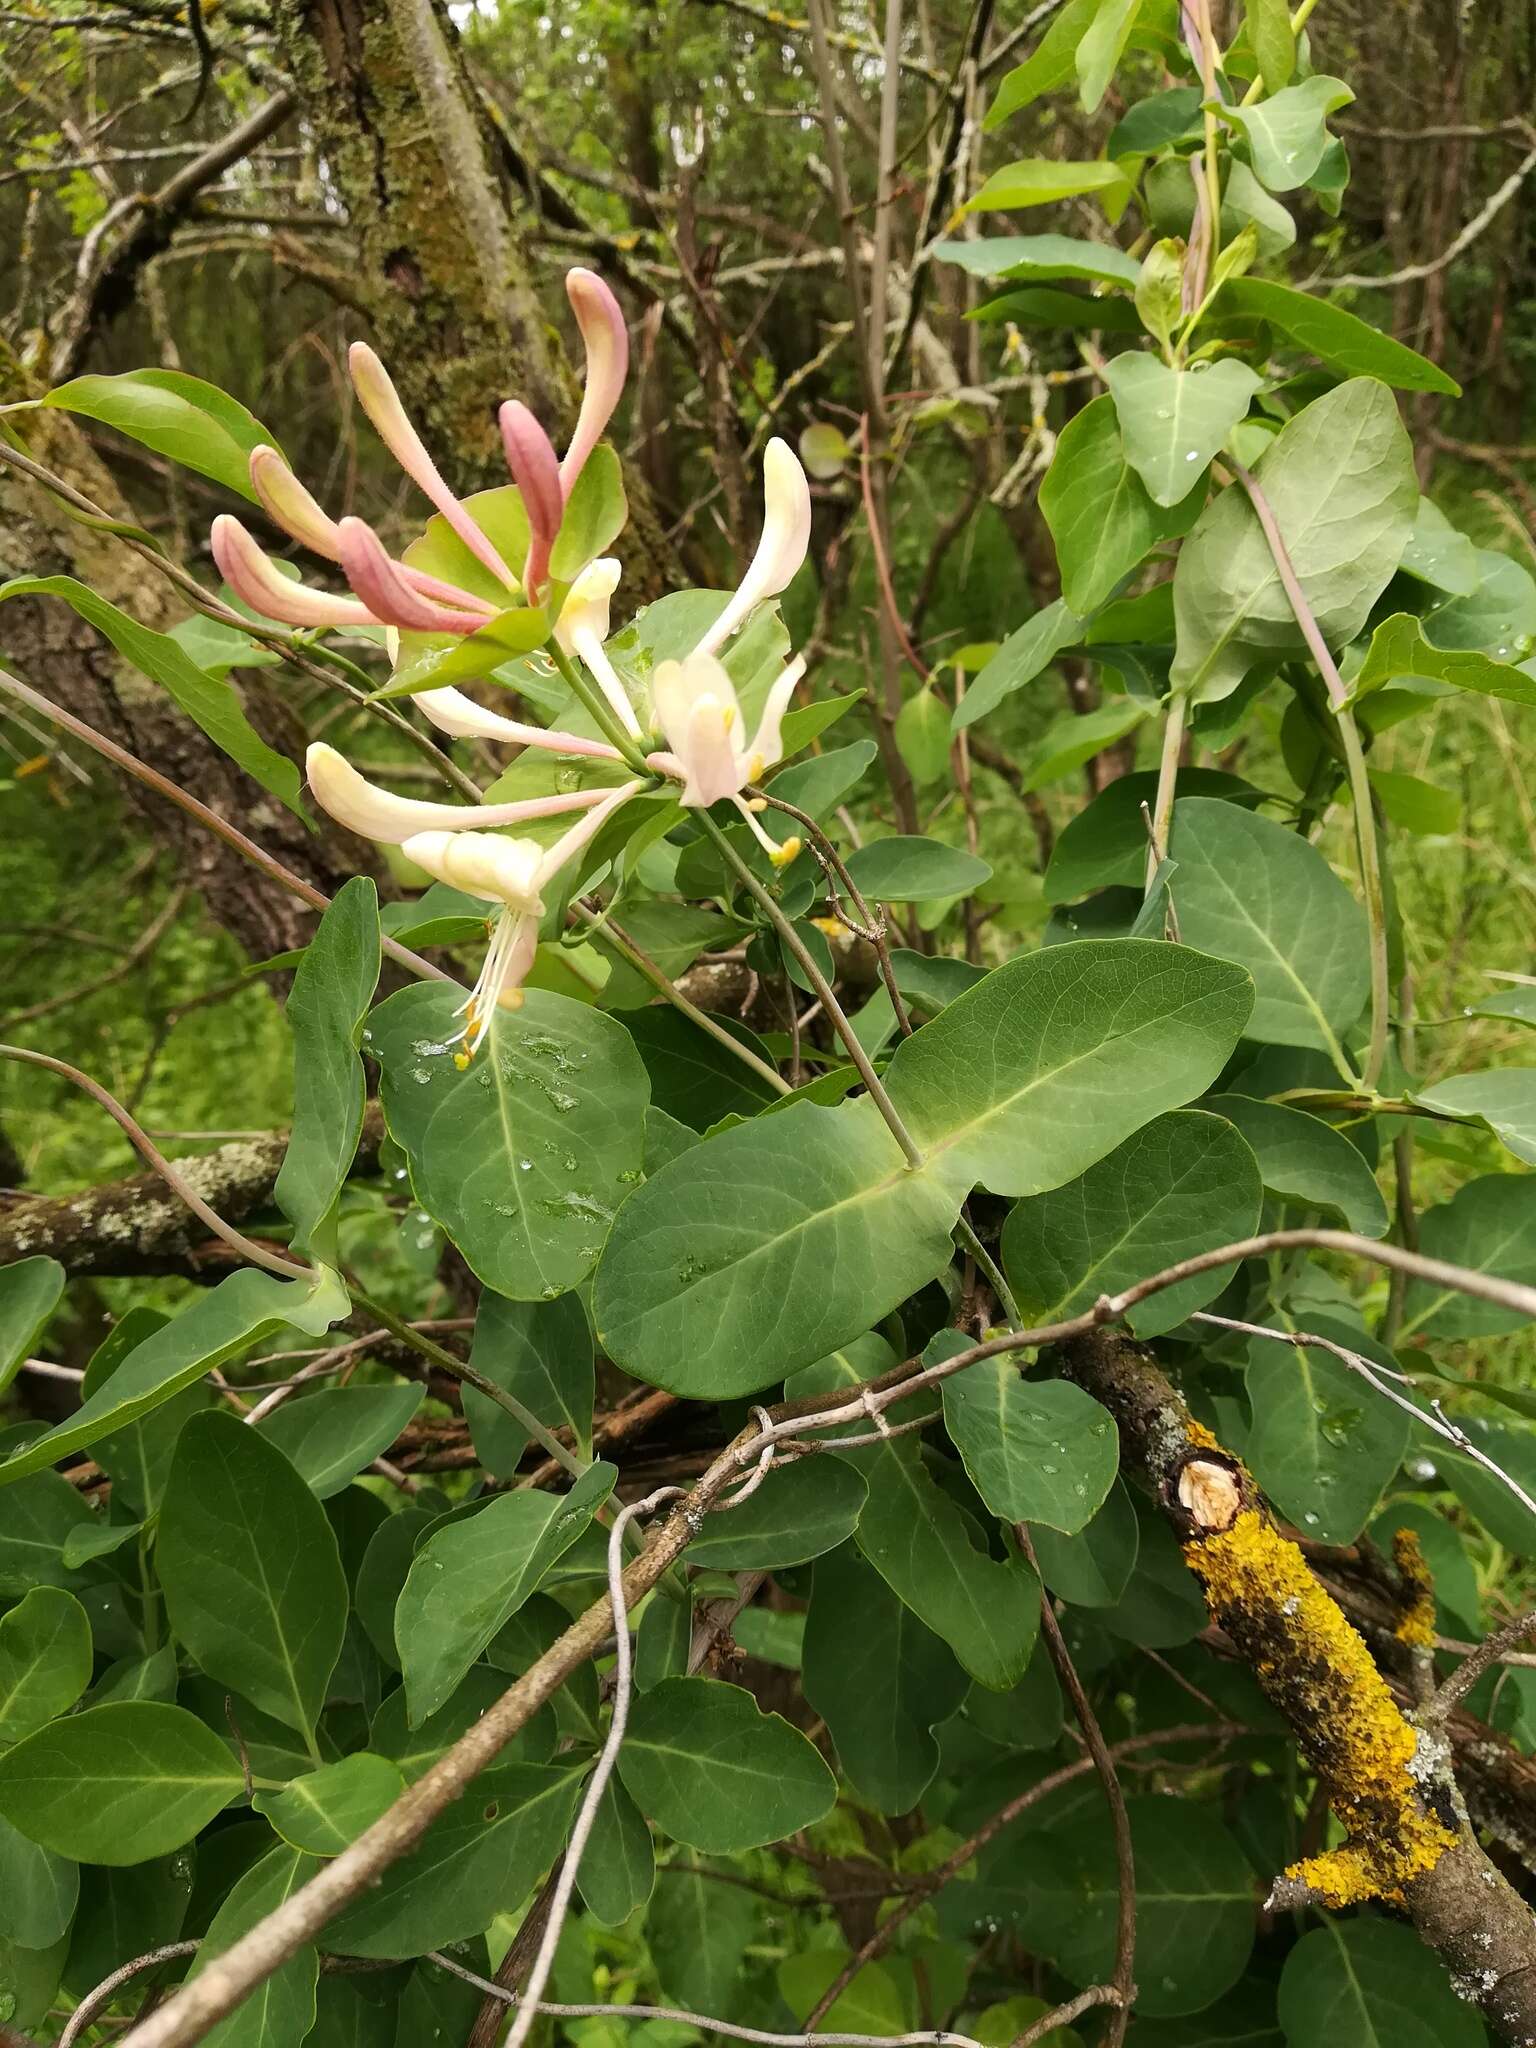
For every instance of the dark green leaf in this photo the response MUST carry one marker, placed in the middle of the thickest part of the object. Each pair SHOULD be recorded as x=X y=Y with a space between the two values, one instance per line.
x=1503 y=1101
x=245 y=1307
x=124 y=1914
x=712 y=1771
x=799 y=1511
x=330 y=997
x=38 y=1891
x=619 y=1867
x=470 y=1576
x=30 y=1291
x=331 y=1436
x=1341 y=340
x=45 y=1665
x=1105 y=845
x=1018 y=661
x=697 y=1929
x=1182 y=1184
x=524 y=1155
x=117 y=1784
x=1324 y=1443
x=1371 y=1984
x=1307 y=1162
x=1019 y=257
x=694 y=1079
x=1094 y=1567
x=1037 y=1451
x=41 y=1515
x=541 y=1352
x=1489 y=1225
x=329 y=1808
x=914 y=870
x=281 y=2009
x=250 y=1570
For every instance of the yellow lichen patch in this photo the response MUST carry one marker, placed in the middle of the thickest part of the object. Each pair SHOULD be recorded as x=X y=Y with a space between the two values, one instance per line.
x=1416 y=1628
x=1316 y=1668
x=1199 y=1437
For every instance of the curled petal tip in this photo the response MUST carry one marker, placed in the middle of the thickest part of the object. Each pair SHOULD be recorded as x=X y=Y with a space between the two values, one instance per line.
x=782 y=548
x=605 y=338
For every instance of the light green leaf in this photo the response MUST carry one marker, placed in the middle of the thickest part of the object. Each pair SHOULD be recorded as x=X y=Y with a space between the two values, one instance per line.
x=1043 y=305
x=1307 y=1162
x=329 y=1437
x=193 y=423
x=137 y=1456
x=1048 y=65
x=1489 y=1225
x=1287 y=132
x=1339 y=339
x=1042 y=180
x=1094 y=1567
x=1077 y=738
x=1497 y=618
x=38 y=1891
x=1036 y=1450
x=250 y=1571
x=239 y=1311
x=45 y=1664
x=1398 y=648
x=471 y=1576
x=1503 y=1101
x=328 y=1809
x=1174 y=421
x=1344 y=465
x=281 y=2010
x=800 y=1511
x=1044 y=1066
x=209 y=701
x=429 y=661
x=1019 y=660
x=329 y=1000
x=880 y=1678
x=118 y=1784
x=1324 y=1444
x=525 y=1154
x=1100 y=49
x=872 y=2003
x=1272 y=41
x=491 y=1846
x=1160 y=290
x=1416 y=805
x=922 y=736
x=594 y=516
x=1098 y=510
x=30 y=1291
x=1185 y=1182
x=712 y=1771
x=1371 y=1984
x=697 y=1930
x=1255 y=893
x=1439 y=555
x=1018 y=258
x=541 y=1352
x=909 y=869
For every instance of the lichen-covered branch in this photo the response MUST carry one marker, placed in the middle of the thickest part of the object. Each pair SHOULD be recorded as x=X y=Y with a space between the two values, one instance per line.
x=1389 y=1780
x=141 y=1226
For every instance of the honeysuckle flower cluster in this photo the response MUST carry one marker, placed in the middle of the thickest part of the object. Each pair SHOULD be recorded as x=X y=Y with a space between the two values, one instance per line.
x=692 y=731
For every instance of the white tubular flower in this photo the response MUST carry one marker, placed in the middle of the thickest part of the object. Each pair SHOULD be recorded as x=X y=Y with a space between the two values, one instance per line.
x=583 y=627
x=700 y=715
x=378 y=814
x=785 y=537
x=461 y=717
x=513 y=874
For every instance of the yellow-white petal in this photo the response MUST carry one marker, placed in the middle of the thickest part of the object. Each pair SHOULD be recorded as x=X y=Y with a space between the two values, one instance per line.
x=785 y=537
x=484 y=864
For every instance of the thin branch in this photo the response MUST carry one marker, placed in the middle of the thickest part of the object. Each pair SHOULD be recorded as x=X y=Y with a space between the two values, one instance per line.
x=248 y=1249
x=107 y=1989
x=1488 y=1653
x=1480 y=222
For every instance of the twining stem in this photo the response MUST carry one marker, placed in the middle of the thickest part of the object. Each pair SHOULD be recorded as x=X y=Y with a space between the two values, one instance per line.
x=1167 y=782
x=596 y=706
x=1211 y=168
x=609 y=934
x=872 y=925
x=1375 y=895
x=1354 y=756
x=989 y=1269
x=823 y=988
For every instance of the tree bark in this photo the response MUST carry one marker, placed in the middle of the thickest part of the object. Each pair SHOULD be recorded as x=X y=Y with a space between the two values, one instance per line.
x=48 y=645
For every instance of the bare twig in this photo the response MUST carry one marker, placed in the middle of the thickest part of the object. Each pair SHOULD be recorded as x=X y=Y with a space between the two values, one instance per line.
x=107 y=1989
x=1488 y=1653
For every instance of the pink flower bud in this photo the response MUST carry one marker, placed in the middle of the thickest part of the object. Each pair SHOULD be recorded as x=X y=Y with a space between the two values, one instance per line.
x=385 y=590
x=256 y=579
x=536 y=472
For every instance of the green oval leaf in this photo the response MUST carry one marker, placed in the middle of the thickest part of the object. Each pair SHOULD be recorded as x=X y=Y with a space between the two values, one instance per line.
x=193 y=423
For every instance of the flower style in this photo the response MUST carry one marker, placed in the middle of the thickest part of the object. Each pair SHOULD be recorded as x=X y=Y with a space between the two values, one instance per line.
x=456 y=844
x=387 y=592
